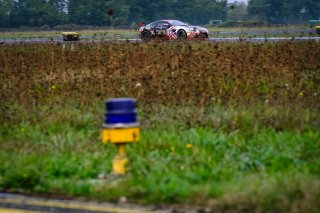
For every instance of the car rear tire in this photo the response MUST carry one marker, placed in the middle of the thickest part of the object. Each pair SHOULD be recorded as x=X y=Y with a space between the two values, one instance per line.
x=145 y=36
x=182 y=35
x=205 y=35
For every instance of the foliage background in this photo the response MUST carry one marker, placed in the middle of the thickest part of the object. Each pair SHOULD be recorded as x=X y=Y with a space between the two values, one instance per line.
x=131 y=12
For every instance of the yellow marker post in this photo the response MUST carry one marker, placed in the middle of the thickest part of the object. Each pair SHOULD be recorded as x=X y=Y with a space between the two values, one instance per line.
x=120 y=137
x=318 y=29
x=120 y=127
x=120 y=160
x=71 y=36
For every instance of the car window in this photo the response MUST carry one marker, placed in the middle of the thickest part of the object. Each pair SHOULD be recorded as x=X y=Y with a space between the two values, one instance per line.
x=152 y=24
x=159 y=24
x=177 y=23
x=162 y=25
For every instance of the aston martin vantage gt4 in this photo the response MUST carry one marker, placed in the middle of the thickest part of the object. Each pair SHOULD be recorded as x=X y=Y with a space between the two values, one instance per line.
x=172 y=30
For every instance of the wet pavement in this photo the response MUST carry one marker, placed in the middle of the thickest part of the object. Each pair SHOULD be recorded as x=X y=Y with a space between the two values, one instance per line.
x=13 y=203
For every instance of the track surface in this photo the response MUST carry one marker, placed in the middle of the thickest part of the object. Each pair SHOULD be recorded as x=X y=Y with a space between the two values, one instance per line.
x=11 y=203
x=301 y=32
x=231 y=39
x=253 y=36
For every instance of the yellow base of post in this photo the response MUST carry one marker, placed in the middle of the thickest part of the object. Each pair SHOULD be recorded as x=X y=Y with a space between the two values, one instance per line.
x=121 y=135
x=120 y=160
x=119 y=165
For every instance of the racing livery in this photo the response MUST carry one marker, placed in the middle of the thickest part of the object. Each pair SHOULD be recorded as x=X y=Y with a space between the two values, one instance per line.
x=171 y=29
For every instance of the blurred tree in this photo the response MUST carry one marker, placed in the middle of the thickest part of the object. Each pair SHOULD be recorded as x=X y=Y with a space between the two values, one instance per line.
x=309 y=9
x=205 y=10
x=54 y=13
x=257 y=9
x=121 y=11
x=60 y=8
x=37 y=13
x=200 y=11
x=284 y=11
x=238 y=12
x=5 y=10
x=16 y=13
x=79 y=11
x=275 y=11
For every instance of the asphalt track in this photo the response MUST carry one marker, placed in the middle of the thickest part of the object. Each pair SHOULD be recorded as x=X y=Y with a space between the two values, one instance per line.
x=300 y=32
x=12 y=203
x=257 y=36
x=230 y=39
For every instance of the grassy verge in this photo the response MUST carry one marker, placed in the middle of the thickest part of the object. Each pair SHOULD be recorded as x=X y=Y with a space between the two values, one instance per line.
x=231 y=127
x=108 y=33
x=57 y=150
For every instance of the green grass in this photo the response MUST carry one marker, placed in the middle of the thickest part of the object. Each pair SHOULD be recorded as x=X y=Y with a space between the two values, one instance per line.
x=116 y=33
x=245 y=166
x=237 y=29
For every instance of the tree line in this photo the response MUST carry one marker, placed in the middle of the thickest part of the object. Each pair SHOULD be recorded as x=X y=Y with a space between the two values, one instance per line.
x=284 y=11
x=18 y=13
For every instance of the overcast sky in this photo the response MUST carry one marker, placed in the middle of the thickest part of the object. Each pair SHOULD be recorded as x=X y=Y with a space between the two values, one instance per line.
x=231 y=1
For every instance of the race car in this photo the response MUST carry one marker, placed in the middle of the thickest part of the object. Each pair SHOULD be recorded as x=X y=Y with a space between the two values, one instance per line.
x=173 y=30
